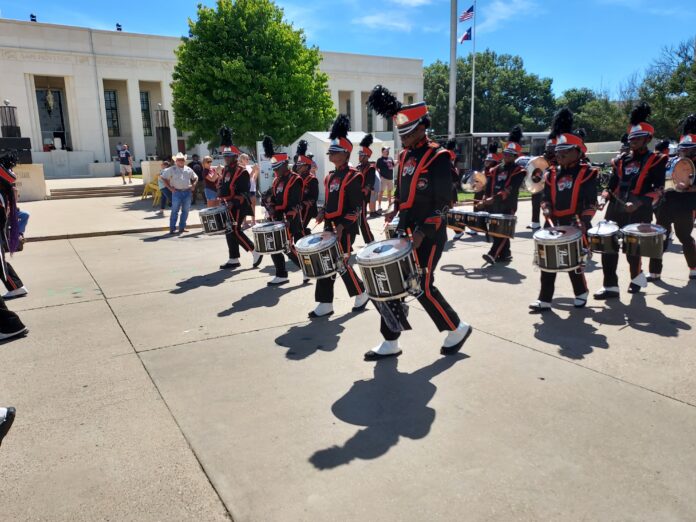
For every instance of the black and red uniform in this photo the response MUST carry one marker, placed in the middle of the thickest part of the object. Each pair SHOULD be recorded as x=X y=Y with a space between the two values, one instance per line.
x=7 y=274
x=503 y=185
x=422 y=196
x=635 y=178
x=343 y=194
x=286 y=199
x=310 y=195
x=234 y=191
x=367 y=173
x=570 y=196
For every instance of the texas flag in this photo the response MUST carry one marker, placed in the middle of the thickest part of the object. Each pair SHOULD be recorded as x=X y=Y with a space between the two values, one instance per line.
x=467 y=15
x=466 y=36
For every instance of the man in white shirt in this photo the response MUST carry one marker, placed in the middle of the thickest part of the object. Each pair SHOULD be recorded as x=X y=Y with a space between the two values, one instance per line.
x=181 y=180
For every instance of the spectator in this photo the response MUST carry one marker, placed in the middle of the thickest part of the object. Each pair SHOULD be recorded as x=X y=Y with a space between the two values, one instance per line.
x=7 y=416
x=165 y=193
x=181 y=180
x=125 y=158
x=253 y=176
x=211 y=178
x=119 y=146
x=373 y=197
x=196 y=167
x=385 y=168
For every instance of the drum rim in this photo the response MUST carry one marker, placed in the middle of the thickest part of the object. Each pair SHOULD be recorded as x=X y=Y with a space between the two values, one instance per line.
x=660 y=230
x=386 y=260
x=271 y=226
x=220 y=209
x=507 y=216
x=315 y=249
x=566 y=238
x=605 y=223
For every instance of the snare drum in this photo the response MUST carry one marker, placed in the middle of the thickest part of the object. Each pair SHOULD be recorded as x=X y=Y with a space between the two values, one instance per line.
x=319 y=255
x=389 y=269
x=477 y=221
x=456 y=219
x=215 y=220
x=501 y=225
x=558 y=249
x=390 y=228
x=270 y=238
x=644 y=240
x=604 y=238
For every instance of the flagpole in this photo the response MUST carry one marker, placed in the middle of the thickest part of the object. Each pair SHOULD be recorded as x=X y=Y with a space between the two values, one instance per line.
x=453 y=69
x=473 y=71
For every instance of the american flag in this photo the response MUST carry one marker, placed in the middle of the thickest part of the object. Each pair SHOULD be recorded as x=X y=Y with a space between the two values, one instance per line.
x=466 y=36
x=467 y=15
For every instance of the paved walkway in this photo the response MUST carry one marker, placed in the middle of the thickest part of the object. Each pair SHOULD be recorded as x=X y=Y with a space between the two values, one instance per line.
x=155 y=387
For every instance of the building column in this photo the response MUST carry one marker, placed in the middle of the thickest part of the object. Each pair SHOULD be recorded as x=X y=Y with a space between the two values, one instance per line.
x=356 y=118
x=136 y=118
x=335 y=100
x=167 y=99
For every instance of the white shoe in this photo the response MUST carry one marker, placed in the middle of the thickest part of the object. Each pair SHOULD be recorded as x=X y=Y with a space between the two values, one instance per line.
x=539 y=306
x=385 y=349
x=278 y=281
x=257 y=258
x=17 y=292
x=456 y=339
x=640 y=280
x=533 y=226
x=160 y=213
x=360 y=302
x=322 y=310
x=231 y=263
x=581 y=300
x=458 y=235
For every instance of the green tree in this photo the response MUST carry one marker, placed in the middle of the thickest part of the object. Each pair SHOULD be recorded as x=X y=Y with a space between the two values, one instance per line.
x=506 y=94
x=242 y=65
x=576 y=99
x=602 y=119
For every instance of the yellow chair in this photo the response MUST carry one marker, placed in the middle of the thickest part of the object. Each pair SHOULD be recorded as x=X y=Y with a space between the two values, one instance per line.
x=157 y=197
x=151 y=188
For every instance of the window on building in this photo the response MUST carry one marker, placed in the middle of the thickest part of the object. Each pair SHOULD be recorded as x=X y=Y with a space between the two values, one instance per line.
x=145 y=111
x=111 y=105
x=348 y=107
x=409 y=99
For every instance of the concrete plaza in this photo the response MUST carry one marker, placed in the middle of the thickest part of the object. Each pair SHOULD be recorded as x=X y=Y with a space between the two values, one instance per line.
x=153 y=386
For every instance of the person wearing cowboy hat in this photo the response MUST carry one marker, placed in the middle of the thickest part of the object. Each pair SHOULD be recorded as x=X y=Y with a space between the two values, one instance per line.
x=421 y=198
x=637 y=180
x=283 y=204
x=233 y=191
x=366 y=170
x=181 y=180
x=502 y=192
x=340 y=215
x=569 y=198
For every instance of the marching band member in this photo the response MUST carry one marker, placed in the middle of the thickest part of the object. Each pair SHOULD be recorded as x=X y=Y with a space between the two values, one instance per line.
x=310 y=185
x=15 y=286
x=451 y=146
x=283 y=204
x=492 y=159
x=569 y=198
x=637 y=179
x=234 y=191
x=343 y=194
x=502 y=192
x=678 y=206
x=550 y=156
x=366 y=169
x=422 y=196
x=10 y=324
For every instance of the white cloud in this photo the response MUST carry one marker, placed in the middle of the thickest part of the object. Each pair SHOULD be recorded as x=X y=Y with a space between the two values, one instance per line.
x=498 y=12
x=379 y=21
x=411 y=3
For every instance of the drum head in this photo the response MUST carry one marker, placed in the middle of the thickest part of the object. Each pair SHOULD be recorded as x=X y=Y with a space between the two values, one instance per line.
x=316 y=242
x=480 y=214
x=222 y=209
x=683 y=174
x=273 y=226
x=382 y=252
x=502 y=216
x=557 y=234
x=604 y=228
x=643 y=229
x=457 y=211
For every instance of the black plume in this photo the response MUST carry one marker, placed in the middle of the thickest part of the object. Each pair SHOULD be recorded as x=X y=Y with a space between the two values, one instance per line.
x=664 y=144
x=302 y=148
x=225 y=136
x=624 y=139
x=562 y=122
x=340 y=127
x=582 y=133
x=640 y=113
x=367 y=141
x=690 y=124
x=515 y=135
x=451 y=144
x=9 y=161
x=268 y=147
x=493 y=148
x=383 y=102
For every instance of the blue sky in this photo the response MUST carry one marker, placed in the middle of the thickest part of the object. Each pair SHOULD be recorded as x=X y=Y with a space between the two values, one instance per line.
x=578 y=43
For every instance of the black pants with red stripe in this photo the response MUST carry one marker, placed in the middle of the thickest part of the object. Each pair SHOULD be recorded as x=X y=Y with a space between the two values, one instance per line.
x=236 y=236
x=295 y=231
x=678 y=211
x=12 y=281
x=610 y=262
x=365 y=231
x=308 y=213
x=428 y=254
x=536 y=206
x=324 y=290
x=548 y=284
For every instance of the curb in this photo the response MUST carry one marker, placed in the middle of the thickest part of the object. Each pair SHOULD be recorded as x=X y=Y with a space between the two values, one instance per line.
x=105 y=233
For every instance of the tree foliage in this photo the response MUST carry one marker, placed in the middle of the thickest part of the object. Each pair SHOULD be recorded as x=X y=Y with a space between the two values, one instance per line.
x=506 y=94
x=242 y=65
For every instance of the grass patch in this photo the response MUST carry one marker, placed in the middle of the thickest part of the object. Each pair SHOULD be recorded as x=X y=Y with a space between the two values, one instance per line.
x=469 y=196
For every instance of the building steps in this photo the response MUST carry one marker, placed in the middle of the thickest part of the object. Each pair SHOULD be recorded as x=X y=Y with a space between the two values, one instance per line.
x=97 y=192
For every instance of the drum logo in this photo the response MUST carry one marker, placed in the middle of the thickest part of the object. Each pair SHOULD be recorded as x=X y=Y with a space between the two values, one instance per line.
x=326 y=263
x=562 y=257
x=270 y=243
x=382 y=281
x=422 y=184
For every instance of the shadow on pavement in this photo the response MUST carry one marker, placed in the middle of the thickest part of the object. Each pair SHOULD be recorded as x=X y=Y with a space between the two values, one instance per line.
x=152 y=239
x=498 y=273
x=307 y=339
x=680 y=296
x=265 y=297
x=389 y=406
x=574 y=337
x=209 y=280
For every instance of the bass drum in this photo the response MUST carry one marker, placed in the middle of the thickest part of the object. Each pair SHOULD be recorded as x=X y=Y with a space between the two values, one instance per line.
x=319 y=255
x=558 y=249
x=389 y=269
